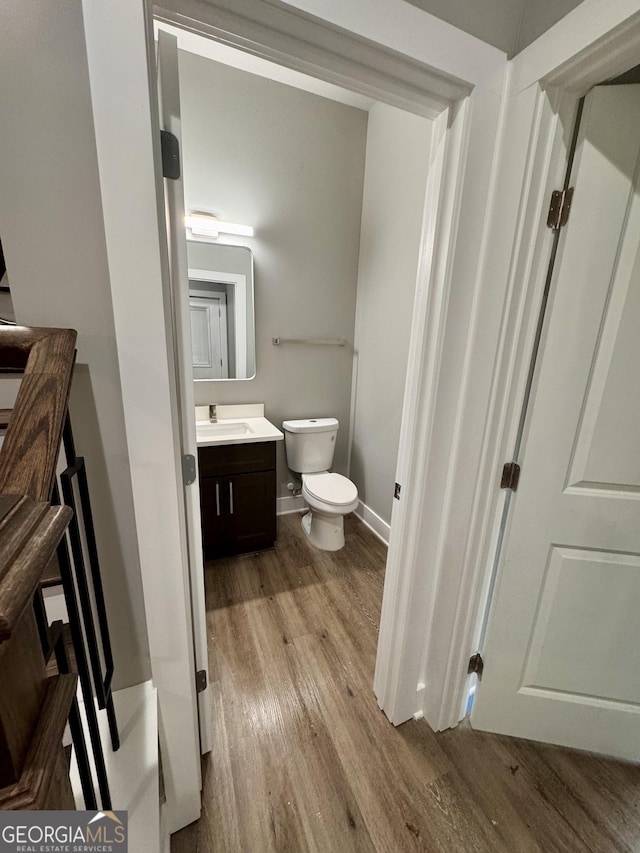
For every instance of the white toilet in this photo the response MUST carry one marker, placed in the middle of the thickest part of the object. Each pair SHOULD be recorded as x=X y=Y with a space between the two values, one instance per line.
x=309 y=447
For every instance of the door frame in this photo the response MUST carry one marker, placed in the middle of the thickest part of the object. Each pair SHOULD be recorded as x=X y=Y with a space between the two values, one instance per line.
x=473 y=347
x=465 y=117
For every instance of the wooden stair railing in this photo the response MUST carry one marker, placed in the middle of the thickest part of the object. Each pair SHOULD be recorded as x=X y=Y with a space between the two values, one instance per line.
x=29 y=453
x=33 y=708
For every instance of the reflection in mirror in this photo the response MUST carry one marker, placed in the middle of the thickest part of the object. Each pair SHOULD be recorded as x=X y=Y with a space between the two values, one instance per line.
x=222 y=313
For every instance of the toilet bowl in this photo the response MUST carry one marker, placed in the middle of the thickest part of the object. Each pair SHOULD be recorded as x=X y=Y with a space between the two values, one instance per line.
x=330 y=497
x=309 y=445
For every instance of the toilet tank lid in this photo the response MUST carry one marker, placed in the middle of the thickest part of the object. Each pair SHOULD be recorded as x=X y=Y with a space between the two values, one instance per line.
x=311 y=425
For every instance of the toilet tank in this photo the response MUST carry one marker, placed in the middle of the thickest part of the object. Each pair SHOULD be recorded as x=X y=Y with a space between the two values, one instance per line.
x=310 y=444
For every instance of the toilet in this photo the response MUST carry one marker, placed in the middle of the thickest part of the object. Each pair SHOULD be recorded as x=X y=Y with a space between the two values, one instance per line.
x=309 y=445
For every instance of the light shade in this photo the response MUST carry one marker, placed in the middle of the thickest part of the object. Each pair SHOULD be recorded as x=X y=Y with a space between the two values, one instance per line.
x=205 y=225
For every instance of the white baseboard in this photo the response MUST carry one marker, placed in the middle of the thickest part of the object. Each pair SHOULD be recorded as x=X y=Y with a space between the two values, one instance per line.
x=373 y=521
x=289 y=504
x=377 y=525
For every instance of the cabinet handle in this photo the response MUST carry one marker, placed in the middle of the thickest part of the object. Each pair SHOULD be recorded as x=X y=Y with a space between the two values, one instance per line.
x=217 y=498
x=231 y=495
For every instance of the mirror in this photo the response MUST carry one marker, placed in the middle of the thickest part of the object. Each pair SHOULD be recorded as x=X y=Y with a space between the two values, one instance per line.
x=222 y=312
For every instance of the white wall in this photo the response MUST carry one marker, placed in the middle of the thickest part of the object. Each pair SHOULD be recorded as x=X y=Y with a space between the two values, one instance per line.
x=291 y=164
x=392 y=211
x=53 y=238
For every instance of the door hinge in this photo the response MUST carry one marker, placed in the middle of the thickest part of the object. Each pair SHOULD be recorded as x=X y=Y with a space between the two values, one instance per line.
x=170 y=155
x=188 y=469
x=396 y=491
x=201 y=680
x=559 y=208
x=510 y=476
x=476 y=664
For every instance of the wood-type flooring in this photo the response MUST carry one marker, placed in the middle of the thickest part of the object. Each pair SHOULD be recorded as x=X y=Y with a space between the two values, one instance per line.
x=304 y=760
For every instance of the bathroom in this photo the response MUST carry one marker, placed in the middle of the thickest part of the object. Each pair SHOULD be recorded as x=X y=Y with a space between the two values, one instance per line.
x=334 y=190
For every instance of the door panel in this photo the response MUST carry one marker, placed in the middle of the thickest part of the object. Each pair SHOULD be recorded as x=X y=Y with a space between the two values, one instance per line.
x=179 y=300
x=606 y=451
x=563 y=631
x=601 y=591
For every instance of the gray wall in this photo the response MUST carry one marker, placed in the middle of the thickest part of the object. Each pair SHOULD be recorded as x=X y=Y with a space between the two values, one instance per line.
x=539 y=17
x=53 y=238
x=509 y=25
x=394 y=192
x=291 y=164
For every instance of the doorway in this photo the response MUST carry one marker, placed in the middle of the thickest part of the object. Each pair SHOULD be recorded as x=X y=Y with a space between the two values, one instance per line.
x=308 y=289
x=209 y=347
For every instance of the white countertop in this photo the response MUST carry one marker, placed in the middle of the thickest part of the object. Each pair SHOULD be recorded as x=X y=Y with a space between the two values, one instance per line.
x=235 y=425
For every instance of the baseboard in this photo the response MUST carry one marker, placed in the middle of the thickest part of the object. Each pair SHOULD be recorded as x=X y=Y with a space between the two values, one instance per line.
x=377 y=525
x=373 y=521
x=289 y=504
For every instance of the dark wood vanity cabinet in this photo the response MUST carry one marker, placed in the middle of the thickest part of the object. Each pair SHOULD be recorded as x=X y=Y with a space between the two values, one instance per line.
x=237 y=498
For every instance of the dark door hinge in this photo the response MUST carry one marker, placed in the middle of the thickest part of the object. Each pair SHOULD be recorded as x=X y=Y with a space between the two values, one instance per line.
x=510 y=476
x=201 y=680
x=559 y=208
x=476 y=664
x=170 y=155
x=188 y=469
x=396 y=491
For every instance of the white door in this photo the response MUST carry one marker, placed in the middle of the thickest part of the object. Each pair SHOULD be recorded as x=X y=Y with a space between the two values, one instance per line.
x=209 y=348
x=169 y=95
x=561 y=657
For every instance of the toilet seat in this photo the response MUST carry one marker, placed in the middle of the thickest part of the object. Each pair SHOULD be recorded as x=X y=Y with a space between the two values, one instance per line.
x=330 y=488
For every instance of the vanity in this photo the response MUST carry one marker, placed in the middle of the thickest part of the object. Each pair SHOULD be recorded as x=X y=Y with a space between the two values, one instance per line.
x=237 y=466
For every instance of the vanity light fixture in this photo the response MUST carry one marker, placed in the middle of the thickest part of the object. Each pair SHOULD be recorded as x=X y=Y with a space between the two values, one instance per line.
x=204 y=225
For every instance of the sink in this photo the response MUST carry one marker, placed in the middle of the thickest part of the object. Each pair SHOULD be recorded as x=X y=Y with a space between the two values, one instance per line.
x=241 y=424
x=222 y=429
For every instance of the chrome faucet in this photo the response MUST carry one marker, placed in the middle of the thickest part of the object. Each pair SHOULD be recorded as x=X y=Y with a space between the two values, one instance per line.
x=213 y=414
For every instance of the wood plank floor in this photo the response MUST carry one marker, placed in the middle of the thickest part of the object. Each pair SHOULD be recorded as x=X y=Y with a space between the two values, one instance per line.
x=305 y=760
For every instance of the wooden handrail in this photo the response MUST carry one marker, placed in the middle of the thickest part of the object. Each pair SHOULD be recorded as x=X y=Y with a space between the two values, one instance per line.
x=29 y=534
x=29 y=453
x=43 y=760
x=33 y=711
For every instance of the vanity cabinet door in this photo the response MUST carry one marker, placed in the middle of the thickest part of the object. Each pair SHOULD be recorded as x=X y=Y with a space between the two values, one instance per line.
x=237 y=498
x=213 y=510
x=252 y=521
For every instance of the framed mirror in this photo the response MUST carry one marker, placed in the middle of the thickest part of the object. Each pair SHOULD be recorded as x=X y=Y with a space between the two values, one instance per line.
x=221 y=301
